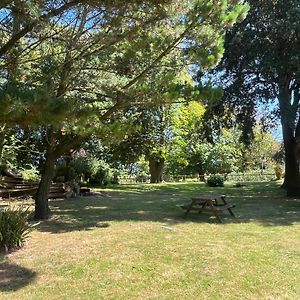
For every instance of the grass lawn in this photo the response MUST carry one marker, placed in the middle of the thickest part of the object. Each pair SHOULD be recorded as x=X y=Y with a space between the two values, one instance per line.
x=136 y=244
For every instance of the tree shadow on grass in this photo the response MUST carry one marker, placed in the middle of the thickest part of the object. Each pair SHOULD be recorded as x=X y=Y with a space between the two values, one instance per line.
x=256 y=202
x=14 y=277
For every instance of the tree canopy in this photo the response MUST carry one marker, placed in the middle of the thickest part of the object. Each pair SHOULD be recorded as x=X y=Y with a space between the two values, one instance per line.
x=70 y=68
x=261 y=64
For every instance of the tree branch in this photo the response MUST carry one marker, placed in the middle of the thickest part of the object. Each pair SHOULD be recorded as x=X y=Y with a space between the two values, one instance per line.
x=160 y=56
x=29 y=27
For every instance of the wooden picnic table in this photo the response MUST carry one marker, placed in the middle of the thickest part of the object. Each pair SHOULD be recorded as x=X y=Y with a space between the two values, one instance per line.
x=214 y=204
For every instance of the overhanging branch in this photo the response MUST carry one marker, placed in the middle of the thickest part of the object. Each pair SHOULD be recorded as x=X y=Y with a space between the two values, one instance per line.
x=29 y=27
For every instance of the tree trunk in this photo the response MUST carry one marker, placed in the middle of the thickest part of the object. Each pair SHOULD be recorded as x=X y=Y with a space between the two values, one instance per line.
x=68 y=159
x=201 y=172
x=290 y=134
x=156 y=169
x=2 y=139
x=202 y=177
x=292 y=177
x=42 y=210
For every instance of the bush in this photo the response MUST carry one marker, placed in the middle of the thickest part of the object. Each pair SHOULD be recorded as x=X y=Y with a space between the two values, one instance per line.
x=278 y=172
x=30 y=174
x=215 y=180
x=115 y=178
x=64 y=173
x=142 y=177
x=14 y=228
x=94 y=170
x=102 y=177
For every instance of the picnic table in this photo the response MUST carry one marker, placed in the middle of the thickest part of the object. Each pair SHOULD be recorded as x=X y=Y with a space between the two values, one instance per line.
x=214 y=204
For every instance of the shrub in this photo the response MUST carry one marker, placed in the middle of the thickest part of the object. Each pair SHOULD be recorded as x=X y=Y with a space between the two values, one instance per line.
x=14 y=227
x=30 y=174
x=64 y=173
x=94 y=170
x=215 y=180
x=142 y=177
x=115 y=178
x=102 y=177
x=278 y=172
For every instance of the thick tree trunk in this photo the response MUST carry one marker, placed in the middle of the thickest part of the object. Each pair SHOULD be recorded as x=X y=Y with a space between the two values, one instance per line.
x=292 y=176
x=202 y=177
x=201 y=172
x=290 y=136
x=42 y=210
x=156 y=169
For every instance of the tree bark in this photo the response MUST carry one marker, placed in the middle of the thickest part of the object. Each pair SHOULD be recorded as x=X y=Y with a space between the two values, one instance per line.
x=201 y=177
x=156 y=169
x=201 y=172
x=42 y=210
x=292 y=176
x=2 y=139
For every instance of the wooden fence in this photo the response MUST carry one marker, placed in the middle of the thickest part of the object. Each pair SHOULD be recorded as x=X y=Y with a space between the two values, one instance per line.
x=235 y=177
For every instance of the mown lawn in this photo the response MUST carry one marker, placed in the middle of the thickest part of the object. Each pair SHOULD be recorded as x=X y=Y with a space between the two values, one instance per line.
x=136 y=244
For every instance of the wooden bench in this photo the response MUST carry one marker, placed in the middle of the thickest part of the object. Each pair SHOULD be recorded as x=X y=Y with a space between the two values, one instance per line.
x=214 y=204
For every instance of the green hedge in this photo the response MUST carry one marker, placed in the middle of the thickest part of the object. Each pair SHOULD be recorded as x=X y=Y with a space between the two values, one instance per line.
x=215 y=180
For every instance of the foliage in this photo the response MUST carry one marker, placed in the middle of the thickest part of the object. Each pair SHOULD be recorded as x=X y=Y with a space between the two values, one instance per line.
x=279 y=155
x=185 y=126
x=262 y=149
x=64 y=173
x=200 y=156
x=141 y=170
x=8 y=148
x=71 y=69
x=261 y=65
x=223 y=156
x=14 y=227
x=31 y=173
x=20 y=148
x=278 y=172
x=103 y=175
x=93 y=169
x=215 y=181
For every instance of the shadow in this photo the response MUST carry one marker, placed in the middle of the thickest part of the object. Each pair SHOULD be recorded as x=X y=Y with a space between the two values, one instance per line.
x=264 y=203
x=14 y=277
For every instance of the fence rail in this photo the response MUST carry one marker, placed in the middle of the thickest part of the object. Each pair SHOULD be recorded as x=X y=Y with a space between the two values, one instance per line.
x=237 y=177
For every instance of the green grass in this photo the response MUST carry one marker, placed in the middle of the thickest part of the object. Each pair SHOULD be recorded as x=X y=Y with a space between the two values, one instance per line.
x=136 y=244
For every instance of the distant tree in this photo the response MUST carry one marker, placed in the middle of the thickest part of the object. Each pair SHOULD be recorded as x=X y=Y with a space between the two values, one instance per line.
x=149 y=139
x=262 y=149
x=186 y=129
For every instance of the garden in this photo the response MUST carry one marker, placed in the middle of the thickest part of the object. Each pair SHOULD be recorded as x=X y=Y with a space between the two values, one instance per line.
x=149 y=149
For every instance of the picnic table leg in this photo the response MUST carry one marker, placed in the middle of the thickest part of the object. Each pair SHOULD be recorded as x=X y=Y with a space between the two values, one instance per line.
x=211 y=205
x=218 y=218
x=216 y=214
x=189 y=208
x=202 y=206
x=229 y=209
x=231 y=212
